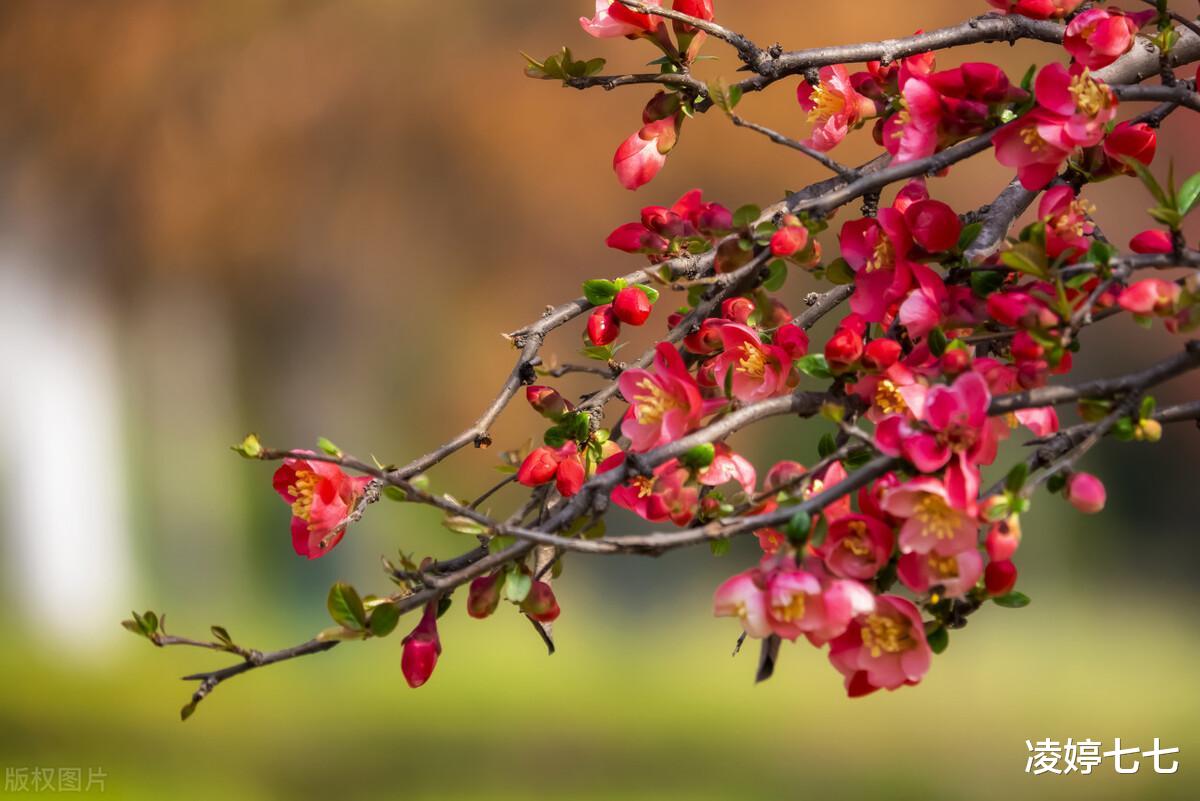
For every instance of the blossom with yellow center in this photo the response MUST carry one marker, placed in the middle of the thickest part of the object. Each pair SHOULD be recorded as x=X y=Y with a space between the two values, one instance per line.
x=883 y=257
x=856 y=543
x=792 y=611
x=753 y=361
x=944 y=567
x=888 y=398
x=826 y=103
x=936 y=516
x=1091 y=97
x=649 y=408
x=302 y=491
x=1032 y=139
x=881 y=634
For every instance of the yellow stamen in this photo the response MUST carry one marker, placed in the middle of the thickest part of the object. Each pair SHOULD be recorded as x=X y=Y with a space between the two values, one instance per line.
x=753 y=362
x=825 y=102
x=945 y=568
x=1090 y=97
x=936 y=516
x=1033 y=139
x=886 y=634
x=882 y=257
x=302 y=491
x=794 y=610
x=856 y=543
x=888 y=398
x=649 y=408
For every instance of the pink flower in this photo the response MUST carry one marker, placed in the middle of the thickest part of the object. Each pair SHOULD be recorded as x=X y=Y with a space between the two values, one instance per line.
x=877 y=250
x=955 y=574
x=614 y=19
x=1067 y=225
x=956 y=430
x=857 y=546
x=813 y=603
x=643 y=154
x=913 y=133
x=833 y=106
x=1097 y=38
x=885 y=648
x=933 y=304
x=1153 y=240
x=1032 y=144
x=1150 y=296
x=758 y=370
x=1085 y=492
x=421 y=648
x=743 y=596
x=933 y=522
x=664 y=404
x=321 y=496
x=1037 y=9
x=1020 y=310
x=1085 y=105
x=666 y=495
x=728 y=466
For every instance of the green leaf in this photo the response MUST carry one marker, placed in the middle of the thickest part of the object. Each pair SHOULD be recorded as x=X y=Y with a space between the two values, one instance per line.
x=985 y=282
x=746 y=215
x=937 y=342
x=719 y=547
x=1149 y=180
x=383 y=619
x=460 y=524
x=345 y=607
x=1014 y=600
x=1100 y=252
x=1016 y=477
x=826 y=446
x=938 y=639
x=517 y=585
x=814 y=364
x=394 y=493
x=329 y=448
x=968 y=234
x=650 y=292
x=250 y=447
x=600 y=353
x=599 y=291
x=838 y=272
x=1189 y=193
x=776 y=276
x=222 y=635
x=1055 y=483
x=1026 y=257
x=724 y=95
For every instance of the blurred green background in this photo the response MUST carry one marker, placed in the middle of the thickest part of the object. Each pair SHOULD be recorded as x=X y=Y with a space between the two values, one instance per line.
x=311 y=218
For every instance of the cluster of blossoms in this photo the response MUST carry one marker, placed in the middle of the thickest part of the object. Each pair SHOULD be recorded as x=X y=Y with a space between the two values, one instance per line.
x=936 y=363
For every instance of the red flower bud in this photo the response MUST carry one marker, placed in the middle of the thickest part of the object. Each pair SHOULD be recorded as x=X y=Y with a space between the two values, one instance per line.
x=880 y=354
x=540 y=603
x=1025 y=348
x=955 y=361
x=570 y=476
x=1154 y=240
x=1138 y=141
x=547 y=402
x=1003 y=537
x=1086 y=493
x=843 y=349
x=539 y=467
x=484 y=595
x=1000 y=577
x=603 y=326
x=788 y=240
x=631 y=306
x=737 y=309
x=421 y=649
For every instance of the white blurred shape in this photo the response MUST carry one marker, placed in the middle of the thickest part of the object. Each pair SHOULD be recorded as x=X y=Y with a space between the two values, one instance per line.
x=63 y=498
